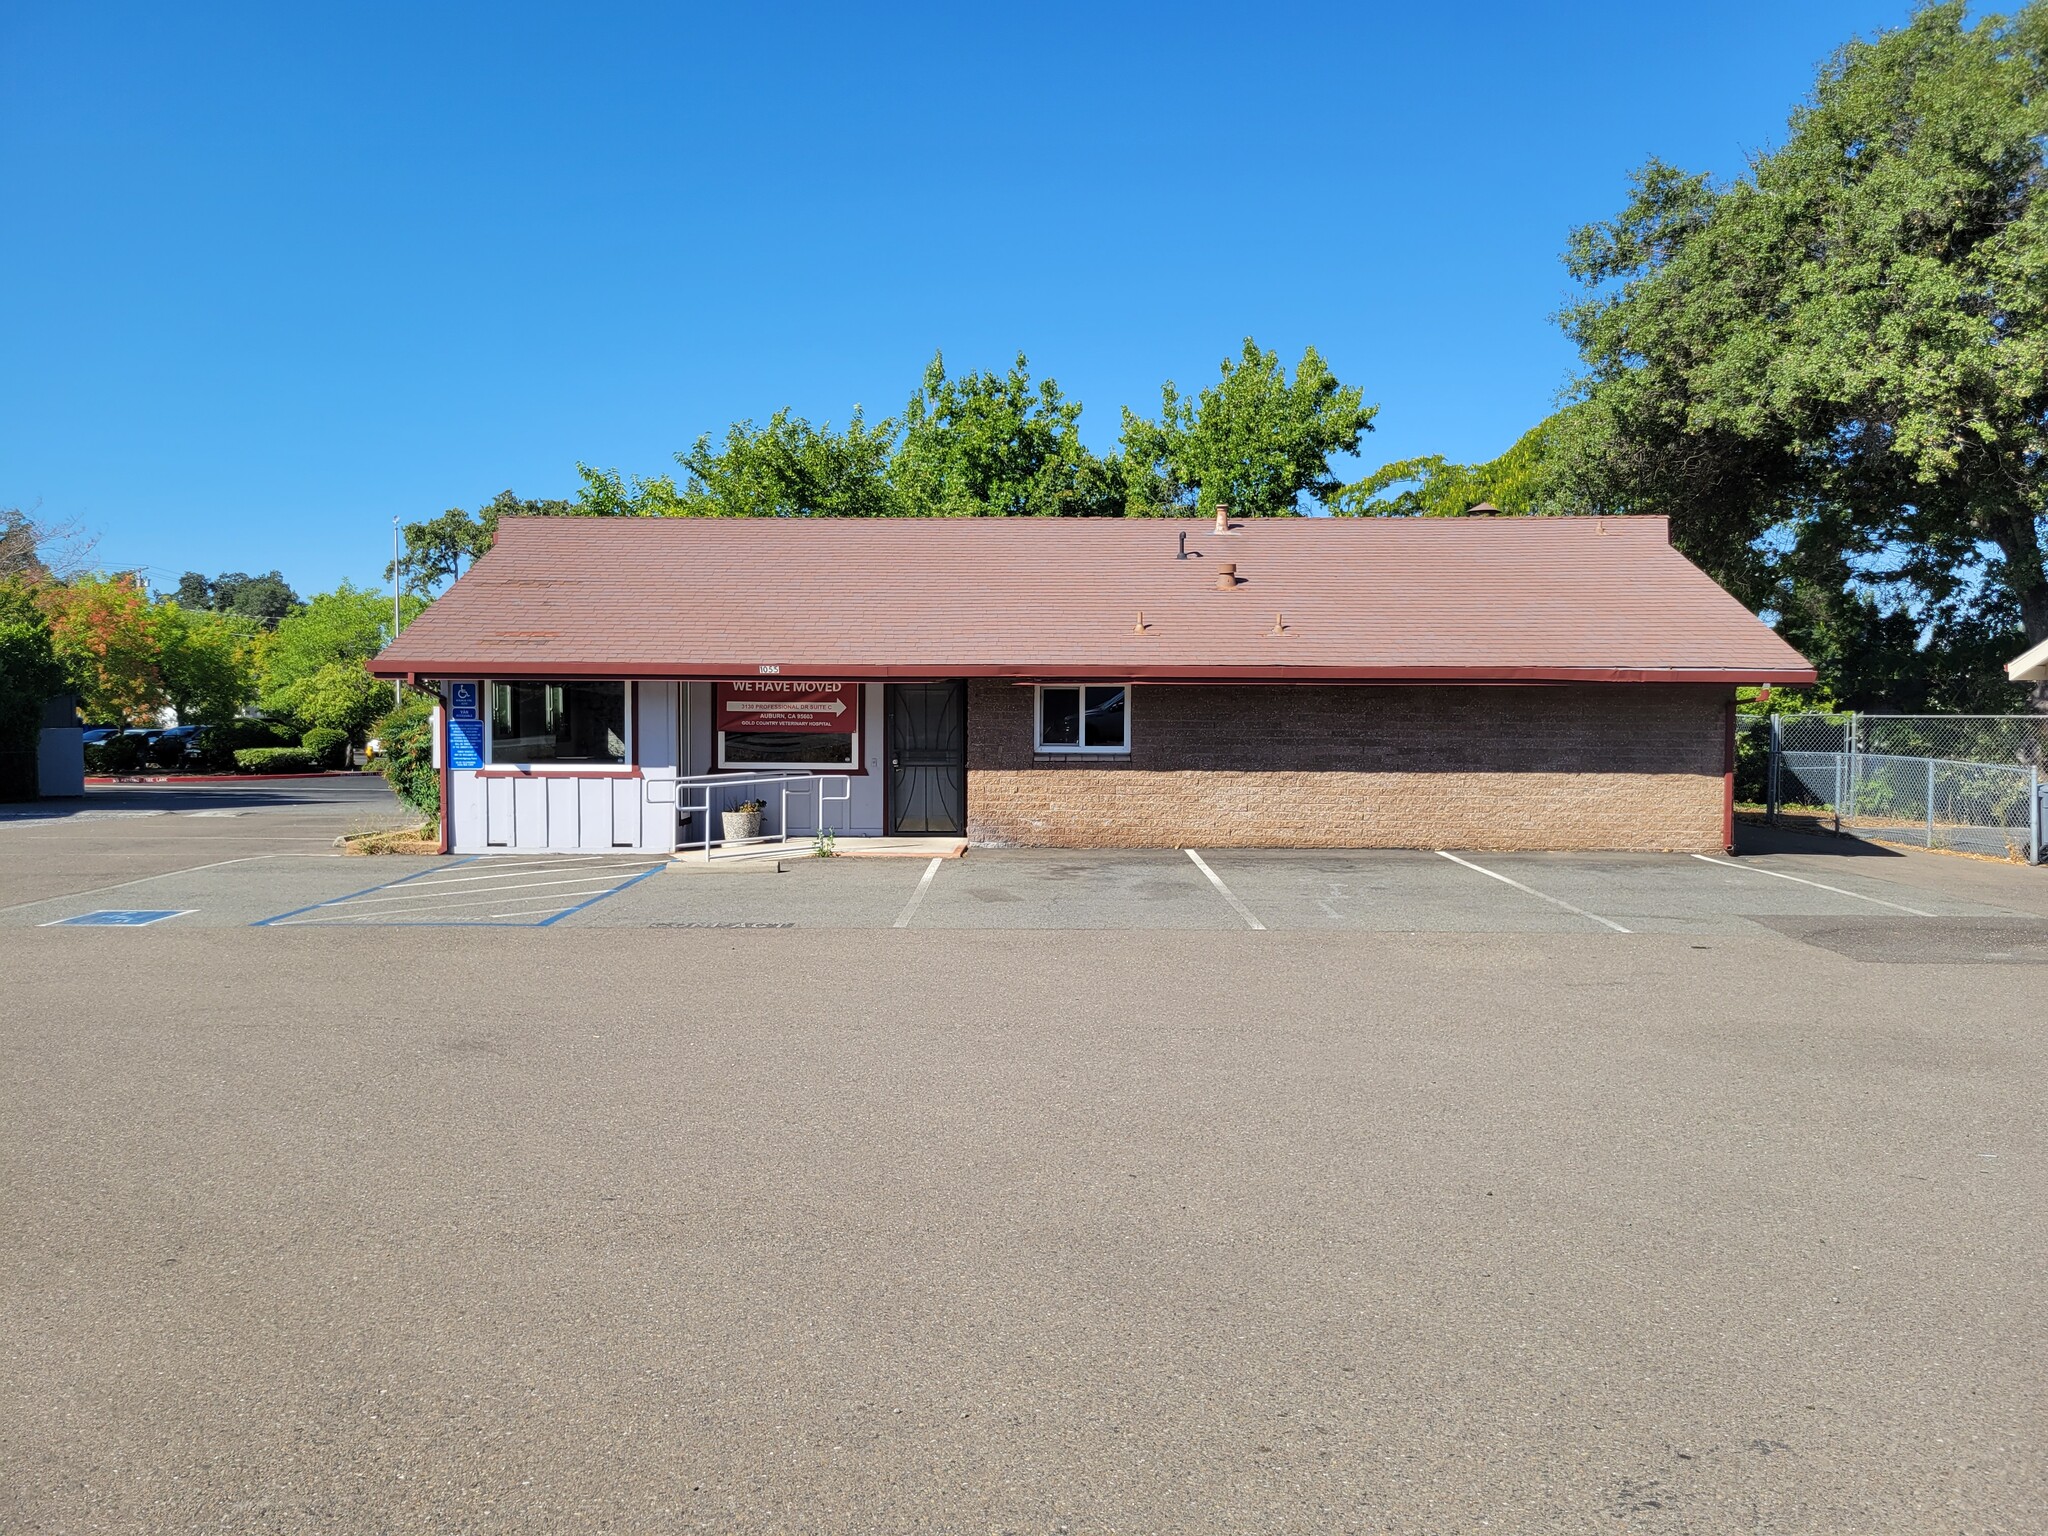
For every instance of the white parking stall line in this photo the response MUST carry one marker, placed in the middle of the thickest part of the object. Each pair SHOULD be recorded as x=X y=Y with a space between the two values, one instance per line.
x=489 y=893
x=365 y=912
x=1225 y=891
x=453 y=910
x=523 y=867
x=1751 y=869
x=191 y=869
x=931 y=872
x=1605 y=922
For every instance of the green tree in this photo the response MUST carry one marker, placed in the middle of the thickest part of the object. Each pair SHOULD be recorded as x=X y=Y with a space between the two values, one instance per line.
x=995 y=445
x=606 y=494
x=1835 y=368
x=313 y=671
x=266 y=598
x=1253 y=440
x=790 y=468
x=1523 y=480
x=29 y=674
x=207 y=662
x=438 y=548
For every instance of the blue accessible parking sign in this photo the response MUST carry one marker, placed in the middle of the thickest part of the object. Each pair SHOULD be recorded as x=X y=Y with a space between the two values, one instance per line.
x=117 y=919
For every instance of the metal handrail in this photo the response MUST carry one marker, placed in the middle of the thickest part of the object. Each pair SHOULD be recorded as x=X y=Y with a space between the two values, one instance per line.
x=724 y=786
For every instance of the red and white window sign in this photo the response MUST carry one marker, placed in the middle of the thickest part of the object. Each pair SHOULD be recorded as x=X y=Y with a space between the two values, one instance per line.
x=775 y=705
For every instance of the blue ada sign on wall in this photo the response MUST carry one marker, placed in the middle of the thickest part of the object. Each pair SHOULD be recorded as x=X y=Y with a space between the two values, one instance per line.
x=465 y=743
x=462 y=701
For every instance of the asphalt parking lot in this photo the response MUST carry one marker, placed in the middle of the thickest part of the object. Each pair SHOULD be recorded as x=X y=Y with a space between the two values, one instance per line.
x=234 y=859
x=1037 y=1192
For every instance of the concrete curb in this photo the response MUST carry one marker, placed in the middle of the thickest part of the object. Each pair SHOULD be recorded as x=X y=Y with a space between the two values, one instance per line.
x=218 y=778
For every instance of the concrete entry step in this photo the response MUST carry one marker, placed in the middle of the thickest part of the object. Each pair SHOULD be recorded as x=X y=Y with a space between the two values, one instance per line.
x=772 y=853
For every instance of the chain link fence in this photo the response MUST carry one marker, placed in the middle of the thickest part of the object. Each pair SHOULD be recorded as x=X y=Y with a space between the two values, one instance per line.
x=1975 y=783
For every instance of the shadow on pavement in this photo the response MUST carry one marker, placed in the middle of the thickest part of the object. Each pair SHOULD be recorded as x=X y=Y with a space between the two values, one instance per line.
x=1754 y=839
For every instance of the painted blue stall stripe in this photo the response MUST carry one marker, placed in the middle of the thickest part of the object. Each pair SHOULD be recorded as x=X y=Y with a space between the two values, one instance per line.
x=600 y=896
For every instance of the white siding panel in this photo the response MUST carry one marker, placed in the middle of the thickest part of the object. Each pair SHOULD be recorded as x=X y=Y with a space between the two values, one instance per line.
x=564 y=822
x=499 y=828
x=593 y=814
x=626 y=815
x=529 y=813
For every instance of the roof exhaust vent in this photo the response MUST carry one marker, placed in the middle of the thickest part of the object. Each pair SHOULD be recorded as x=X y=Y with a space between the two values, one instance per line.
x=1183 y=545
x=1222 y=518
x=1483 y=509
x=1226 y=576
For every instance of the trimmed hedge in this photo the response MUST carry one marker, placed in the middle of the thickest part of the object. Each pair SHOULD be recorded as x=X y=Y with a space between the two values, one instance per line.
x=275 y=760
x=220 y=745
x=119 y=753
x=326 y=746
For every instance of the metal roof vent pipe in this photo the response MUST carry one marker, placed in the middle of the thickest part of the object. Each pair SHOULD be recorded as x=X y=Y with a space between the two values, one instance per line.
x=1222 y=518
x=1483 y=509
x=1226 y=576
x=1183 y=545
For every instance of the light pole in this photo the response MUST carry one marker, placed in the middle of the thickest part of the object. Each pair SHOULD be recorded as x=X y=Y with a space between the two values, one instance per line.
x=397 y=689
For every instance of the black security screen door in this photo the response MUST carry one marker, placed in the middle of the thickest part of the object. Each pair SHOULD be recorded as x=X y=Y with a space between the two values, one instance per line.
x=928 y=757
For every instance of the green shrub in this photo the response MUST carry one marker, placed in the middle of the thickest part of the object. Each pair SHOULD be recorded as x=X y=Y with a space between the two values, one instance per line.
x=120 y=753
x=407 y=734
x=328 y=747
x=218 y=744
x=275 y=760
x=166 y=752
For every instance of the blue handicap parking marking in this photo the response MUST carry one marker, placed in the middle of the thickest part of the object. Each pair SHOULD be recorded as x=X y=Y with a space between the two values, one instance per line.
x=495 y=891
x=118 y=919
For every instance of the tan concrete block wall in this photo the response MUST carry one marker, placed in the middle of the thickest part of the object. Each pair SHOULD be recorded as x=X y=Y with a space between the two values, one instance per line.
x=1621 y=767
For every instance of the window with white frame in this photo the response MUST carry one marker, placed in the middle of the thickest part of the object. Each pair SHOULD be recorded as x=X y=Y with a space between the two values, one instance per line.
x=1084 y=718
x=568 y=723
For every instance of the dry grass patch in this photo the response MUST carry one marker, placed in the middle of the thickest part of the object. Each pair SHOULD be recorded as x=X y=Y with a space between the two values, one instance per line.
x=420 y=839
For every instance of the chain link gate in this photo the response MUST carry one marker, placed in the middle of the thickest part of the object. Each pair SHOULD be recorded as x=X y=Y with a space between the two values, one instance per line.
x=1972 y=783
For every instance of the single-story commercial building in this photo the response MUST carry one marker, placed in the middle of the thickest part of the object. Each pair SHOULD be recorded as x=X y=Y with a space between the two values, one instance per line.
x=1476 y=682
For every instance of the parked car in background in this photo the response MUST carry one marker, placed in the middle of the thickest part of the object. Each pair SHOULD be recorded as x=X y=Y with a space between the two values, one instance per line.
x=169 y=748
x=95 y=734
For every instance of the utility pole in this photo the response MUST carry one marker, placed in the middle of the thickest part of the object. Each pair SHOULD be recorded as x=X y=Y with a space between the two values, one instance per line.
x=397 y=689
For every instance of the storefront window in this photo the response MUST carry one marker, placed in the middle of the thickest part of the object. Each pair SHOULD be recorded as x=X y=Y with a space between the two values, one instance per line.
x=1090 y=719
x=558 y=723
x=788 y=724
x=784 y=749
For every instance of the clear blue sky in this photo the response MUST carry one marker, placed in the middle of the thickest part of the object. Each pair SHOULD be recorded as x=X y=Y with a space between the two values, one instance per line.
x=273 y=274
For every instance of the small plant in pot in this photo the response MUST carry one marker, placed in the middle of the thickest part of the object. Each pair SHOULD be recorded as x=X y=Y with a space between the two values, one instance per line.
x=743 y=820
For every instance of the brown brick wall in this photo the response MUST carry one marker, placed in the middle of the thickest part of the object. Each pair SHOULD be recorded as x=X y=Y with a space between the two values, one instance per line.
x=1620 y=767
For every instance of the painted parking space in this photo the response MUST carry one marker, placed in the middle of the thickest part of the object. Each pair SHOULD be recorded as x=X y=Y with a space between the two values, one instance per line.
x=1365 y=890
x=499 y=891
x=1679 y=894
x=806 y=893
x=1388 y=891
x=1031 y=888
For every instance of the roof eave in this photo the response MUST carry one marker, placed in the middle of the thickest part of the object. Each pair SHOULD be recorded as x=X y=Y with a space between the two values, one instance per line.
x=412 y=670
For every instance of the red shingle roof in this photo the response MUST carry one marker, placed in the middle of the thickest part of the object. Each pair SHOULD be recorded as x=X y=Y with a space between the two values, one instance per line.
x=1467 y=599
